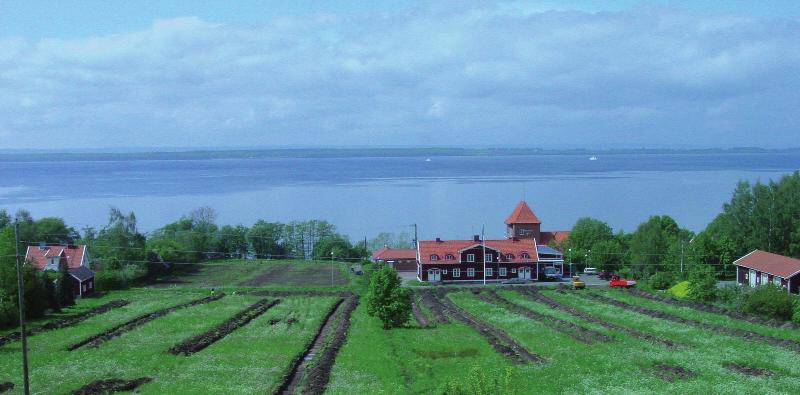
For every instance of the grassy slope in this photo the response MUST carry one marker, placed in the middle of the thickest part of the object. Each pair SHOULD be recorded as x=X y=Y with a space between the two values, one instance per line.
x=253 y=357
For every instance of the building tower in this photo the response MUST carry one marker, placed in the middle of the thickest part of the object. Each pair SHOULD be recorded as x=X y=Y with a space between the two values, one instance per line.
x=523 y=223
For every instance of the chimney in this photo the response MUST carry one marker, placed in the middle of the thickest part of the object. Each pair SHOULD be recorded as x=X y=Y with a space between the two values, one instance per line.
x=438 y=240
x=515 y=238
x=476 y=238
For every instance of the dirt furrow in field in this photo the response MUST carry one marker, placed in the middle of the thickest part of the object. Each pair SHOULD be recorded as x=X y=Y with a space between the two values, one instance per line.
x=713 y=309
x=7 y=386
x=418 y=314
x=240 y=319
x=286 y=294
x=319 y=376
x=535 y=295
x=791 y=345
x=98 y=387
x=501 y=341
x=100 y=338
x=434 y=307
x=577 y=332
x=299 y=365
x=64 y=322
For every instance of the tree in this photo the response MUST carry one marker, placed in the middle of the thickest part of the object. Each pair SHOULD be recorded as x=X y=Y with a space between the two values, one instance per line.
x=586 y=234
x=53 y=230
x=233 y=240
x=267 y=239
x=649 y=245
x=339 y=247
x=387 y=299
x=393 y=240
x=64 y=291
x=5 y=219
x=120 y=243
x=52 y=295
x=703 y=283
x=27 y=226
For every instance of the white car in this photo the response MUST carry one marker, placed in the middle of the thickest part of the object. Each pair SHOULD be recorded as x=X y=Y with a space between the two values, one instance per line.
x=590 y=270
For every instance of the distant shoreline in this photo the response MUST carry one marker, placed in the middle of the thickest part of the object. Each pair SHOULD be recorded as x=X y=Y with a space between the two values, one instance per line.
x=366 y=153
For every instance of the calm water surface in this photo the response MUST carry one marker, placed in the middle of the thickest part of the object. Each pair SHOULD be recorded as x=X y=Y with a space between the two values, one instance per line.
x=447 y=196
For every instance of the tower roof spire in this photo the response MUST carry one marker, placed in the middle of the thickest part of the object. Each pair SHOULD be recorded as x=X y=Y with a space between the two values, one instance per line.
x=522 y=214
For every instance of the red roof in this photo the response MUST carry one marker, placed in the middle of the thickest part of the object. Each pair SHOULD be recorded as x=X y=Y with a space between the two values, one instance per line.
x=557 y=235
x=522 y=215
x=391 y=254
x=453 y=247
x=37 y=256
x=777 y=265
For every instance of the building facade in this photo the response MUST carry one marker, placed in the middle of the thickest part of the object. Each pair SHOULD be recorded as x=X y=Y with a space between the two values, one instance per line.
x=75 y=257
x=400 y=259
x=760 y=268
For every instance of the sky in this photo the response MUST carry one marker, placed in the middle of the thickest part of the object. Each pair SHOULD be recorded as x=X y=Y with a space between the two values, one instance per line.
x=553 y=74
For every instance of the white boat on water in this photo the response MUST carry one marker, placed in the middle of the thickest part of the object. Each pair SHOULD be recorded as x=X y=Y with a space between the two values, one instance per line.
x=592 y=157
x=428 y=160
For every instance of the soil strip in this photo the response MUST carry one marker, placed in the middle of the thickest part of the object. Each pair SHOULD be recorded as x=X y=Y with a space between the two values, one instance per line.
x=535 y=295
x=300 y=364
x=286 y=294
x=577 y=332
x=100 y=338
x=749 y=370
x=65 y=322
x=672 y=373
x=319 y=375
x=422 y=321
x=242 y=318
x=434 y=307
x=111 y=386
x=501 y=341
x=713 y=309
x=791 y=345
x=7 y=386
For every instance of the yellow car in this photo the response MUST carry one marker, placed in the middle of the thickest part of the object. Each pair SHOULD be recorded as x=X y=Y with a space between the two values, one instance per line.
x=577 y=283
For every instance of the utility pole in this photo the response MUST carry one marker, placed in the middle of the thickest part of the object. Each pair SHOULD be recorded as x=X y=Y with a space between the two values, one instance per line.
x=681 y=256
x=415 y=236
x=22 y=330
x=331 y=268
x=483 y=244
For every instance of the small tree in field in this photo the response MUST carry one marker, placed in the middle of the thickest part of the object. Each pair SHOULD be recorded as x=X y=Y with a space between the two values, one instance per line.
x=703 y=283
x=387 y=299
x=65 y=295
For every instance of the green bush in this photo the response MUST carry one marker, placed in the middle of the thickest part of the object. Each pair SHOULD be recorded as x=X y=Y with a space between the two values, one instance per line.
x=387 y=299
x=732 y=296
x=680 y=290
x=796 y=315
x=770 y=301
x=703 y=284
x=9 y=316
x=109 y=280
x=481 y=382
x=661 y=280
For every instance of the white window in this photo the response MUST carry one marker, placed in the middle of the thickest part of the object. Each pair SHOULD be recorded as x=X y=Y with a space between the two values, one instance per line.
x=456 y=272
x=470 y=272
x=449 y=257
x=444 y=271
x=489 y=257
x=776 y=280
x=489 y=272
x=434 y=257
x=470 y=257
x=510 y=257
x=525 y=255
x=503 y=272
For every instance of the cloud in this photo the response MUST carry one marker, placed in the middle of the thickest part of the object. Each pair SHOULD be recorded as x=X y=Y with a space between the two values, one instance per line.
x=446 y=75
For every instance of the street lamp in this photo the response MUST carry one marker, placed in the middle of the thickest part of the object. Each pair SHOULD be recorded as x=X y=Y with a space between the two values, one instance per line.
x=569 y=258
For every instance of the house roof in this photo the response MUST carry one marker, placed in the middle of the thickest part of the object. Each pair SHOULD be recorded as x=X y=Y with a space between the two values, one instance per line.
x=522 y=215
x=543 y=249
x=557 y=235
x=37 y=256
x=777 y=265
x=81 y=273
x=390 y=254
x=506 y=246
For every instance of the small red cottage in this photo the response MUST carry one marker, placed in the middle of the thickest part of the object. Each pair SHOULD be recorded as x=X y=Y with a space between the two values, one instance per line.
x=400 y=259
x=50 y=258
x=761 y=268
x=517 y=256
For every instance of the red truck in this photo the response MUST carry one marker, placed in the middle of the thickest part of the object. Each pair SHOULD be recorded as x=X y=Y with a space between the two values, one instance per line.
x=621 y=282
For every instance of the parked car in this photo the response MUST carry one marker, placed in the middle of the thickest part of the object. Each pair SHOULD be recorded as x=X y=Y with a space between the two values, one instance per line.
x=590 y=270
x=617 y=282
x=605 y=275
x=551 y=274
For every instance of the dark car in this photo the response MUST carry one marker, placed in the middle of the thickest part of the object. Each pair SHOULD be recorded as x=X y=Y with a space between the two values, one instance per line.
x=605 y=275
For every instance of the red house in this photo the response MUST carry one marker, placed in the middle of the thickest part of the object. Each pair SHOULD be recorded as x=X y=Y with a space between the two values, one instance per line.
x=400 y=259
x=77 y=260
x=517 y=256
x=761 y=268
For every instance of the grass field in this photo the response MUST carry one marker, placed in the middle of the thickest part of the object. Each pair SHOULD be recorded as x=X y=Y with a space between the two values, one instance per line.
x=579 y=356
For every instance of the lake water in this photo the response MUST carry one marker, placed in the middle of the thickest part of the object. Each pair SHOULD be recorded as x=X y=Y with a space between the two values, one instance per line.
x=447 y=197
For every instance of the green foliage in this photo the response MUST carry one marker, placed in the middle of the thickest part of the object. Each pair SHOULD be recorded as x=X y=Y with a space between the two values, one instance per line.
x=481 y=382
x=702 y=283
x=233 y=241
x=338 y=247
x=393 y=240
x=387 y=299
x=266 y=239
x=586 y=234
x=732 y=296
x=680 y=290
x=54 y=230
x=64 y=289
x=661 y=280
x=9 y=315
x=52 y=295
x=119 y=243
x=607 y=255
x=109 y=280
x=796 y=314
x=5 y=219
x=770 y=301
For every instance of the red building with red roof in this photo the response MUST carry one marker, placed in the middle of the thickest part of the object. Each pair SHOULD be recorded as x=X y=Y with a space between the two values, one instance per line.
x=51 y=257
x=518 y=256
x=761 y=268
x=401 y=259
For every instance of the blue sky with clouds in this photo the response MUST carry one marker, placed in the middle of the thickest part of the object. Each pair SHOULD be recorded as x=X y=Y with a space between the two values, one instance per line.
x=112 y=74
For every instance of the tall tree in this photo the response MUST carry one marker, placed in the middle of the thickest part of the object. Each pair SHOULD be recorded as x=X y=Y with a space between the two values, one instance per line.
x=267 y=239
x=120 y=243
x=53 y=230
x=233 y=240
